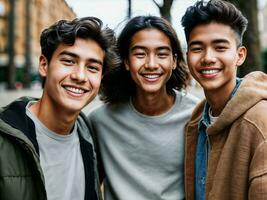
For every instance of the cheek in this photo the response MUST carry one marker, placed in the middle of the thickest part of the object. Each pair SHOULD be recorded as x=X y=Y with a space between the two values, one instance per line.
x=193 y=72
x=230 y=57
x=167 y=63
x=230 y=63
x=134 y=64
x=133 y=74
x=192 y=67
x=191 y=59
x=95 y=80
x=191 y=64
x=133 y=69
x=59 y=71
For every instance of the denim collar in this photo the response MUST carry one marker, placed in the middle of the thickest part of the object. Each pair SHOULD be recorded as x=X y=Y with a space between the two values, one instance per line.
x=205 y=119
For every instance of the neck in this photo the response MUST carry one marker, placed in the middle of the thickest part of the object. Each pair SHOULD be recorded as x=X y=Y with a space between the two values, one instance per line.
x=153 y=104
x=54 y=118
x=216 y=105
x=218 y=100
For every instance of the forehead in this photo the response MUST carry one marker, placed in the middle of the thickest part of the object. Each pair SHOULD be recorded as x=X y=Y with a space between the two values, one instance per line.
x=82 y=48
x=150 y=38
x=206 y=33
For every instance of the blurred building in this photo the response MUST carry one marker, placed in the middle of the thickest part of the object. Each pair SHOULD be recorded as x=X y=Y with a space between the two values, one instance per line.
x=41 y=14
x=263 y=26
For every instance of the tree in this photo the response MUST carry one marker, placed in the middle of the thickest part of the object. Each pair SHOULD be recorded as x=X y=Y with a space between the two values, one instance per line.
x=28 y=63
x=129 y=9
x=251 y=37
x=11 y=69
x=165 y=9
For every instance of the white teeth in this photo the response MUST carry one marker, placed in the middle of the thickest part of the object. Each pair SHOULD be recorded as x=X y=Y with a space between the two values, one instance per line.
x=210 y=71
x=151 y=75
x=75 y=90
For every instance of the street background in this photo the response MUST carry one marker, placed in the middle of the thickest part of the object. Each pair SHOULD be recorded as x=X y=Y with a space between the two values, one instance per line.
x=19 y=35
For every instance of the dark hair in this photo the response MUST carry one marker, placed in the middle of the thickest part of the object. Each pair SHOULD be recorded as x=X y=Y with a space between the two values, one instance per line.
x=215 y=11
x=118 y=86
x=66 y=32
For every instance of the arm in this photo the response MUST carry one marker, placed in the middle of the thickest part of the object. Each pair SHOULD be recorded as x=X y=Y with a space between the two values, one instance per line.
x=258 y=174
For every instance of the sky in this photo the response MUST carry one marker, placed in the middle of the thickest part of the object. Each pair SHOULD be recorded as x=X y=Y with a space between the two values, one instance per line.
x=114 y=12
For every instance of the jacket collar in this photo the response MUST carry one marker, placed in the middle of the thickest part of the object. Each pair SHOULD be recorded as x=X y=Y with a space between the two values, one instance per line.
x=15 y=115
x=252 y=89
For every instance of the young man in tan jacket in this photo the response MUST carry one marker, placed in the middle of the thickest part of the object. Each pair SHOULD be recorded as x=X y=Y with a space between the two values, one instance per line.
x=226 y=148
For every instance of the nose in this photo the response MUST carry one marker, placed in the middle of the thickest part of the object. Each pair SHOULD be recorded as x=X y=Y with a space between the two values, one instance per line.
x=79 y=74
x=208 y=57
x=151 y=62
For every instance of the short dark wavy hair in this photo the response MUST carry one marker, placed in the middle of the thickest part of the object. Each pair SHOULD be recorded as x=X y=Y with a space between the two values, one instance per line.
x=118 y=85
x=66 y=32
x=218 y=11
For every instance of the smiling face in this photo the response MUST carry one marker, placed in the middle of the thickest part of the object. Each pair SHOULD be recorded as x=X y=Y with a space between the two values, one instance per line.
x=73 y=75
x=150 y=61
x=213 y=57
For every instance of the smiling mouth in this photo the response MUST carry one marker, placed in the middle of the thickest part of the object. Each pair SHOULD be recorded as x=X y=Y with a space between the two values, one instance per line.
x=209 y=71
x=75 y=90
x=151 y=76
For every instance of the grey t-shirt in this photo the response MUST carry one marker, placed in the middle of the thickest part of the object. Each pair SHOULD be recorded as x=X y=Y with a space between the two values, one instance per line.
x=143 y=156
x=61 y=161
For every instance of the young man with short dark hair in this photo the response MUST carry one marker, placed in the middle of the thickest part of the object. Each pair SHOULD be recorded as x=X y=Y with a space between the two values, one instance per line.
x=226 y=148
x=46 y=149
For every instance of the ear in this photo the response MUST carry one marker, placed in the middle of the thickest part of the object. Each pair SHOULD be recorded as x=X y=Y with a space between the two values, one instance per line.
x=242 y=54
x=126 y=63
x=174 y=62
x=43 y=66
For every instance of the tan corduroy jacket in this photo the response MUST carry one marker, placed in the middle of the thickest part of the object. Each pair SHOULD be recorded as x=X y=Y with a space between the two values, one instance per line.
x=237 y=163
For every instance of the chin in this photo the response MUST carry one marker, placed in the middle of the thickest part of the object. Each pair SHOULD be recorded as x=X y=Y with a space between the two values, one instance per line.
x=74 y=106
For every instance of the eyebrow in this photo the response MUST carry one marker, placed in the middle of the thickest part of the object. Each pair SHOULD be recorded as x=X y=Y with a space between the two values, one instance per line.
x=213 y=42
x=144 y=48
x=94 y=60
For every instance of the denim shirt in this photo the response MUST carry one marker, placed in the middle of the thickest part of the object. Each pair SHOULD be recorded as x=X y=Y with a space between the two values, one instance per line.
x=203 y=148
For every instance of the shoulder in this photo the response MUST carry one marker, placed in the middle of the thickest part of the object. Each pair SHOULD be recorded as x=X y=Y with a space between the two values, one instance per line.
x=108 y=111
x=18 y=103
x=99 y=109
x=256 y=116
x=83 y=127
x=187 y=98
x=98 y=112
x=14 y=114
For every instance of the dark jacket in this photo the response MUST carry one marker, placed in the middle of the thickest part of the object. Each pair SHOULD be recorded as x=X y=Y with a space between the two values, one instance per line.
x=21 y=176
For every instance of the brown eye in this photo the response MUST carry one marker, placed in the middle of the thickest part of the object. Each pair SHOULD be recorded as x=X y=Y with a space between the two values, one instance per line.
x=68 y=61
x=139 y=55
x=93 y=68
x=163 y=55
x=221 y=48
x=196 y=49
